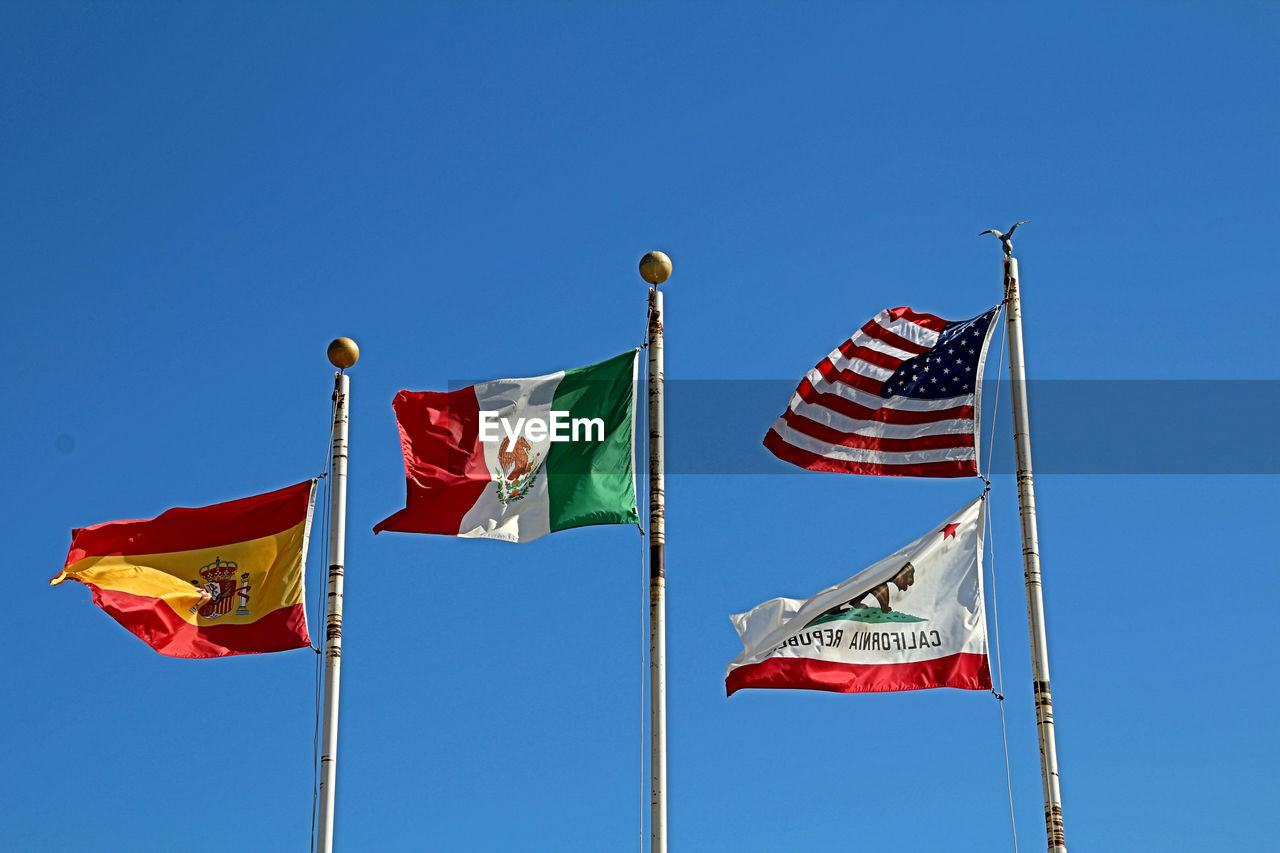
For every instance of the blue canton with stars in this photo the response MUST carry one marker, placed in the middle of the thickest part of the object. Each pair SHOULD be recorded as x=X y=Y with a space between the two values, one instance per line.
x=950 y=369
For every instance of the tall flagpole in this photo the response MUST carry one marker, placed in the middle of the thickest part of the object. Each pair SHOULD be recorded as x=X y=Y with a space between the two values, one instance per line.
x=343 y=353
x=655 y=267
x=1031 y=553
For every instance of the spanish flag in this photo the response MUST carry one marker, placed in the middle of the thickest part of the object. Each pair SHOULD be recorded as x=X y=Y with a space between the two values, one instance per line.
x=206 y=582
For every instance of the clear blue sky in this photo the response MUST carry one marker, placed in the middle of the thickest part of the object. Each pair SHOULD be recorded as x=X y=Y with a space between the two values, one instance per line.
x=199 y=196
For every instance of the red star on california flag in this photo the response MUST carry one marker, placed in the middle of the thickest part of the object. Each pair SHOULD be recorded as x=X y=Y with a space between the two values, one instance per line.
x=949 y=532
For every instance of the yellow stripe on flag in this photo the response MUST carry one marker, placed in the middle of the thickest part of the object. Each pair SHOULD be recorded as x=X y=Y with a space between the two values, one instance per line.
x=273 y=564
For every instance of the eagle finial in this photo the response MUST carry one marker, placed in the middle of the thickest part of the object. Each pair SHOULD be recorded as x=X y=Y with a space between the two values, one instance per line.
x=1006 y=239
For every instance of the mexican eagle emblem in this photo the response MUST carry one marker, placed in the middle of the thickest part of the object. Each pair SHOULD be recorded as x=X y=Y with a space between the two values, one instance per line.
x=517 y=470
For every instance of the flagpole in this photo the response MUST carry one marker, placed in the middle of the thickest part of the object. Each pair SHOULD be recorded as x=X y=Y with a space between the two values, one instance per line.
x=1031 y=556
x=655 y=267
x=343 y=353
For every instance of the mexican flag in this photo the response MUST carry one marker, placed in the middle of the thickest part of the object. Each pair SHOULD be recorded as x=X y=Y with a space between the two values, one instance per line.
x=912 y=620
x=515 y=459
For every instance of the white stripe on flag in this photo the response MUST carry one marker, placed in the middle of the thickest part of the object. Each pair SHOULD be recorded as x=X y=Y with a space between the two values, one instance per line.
x=879 y=457
x=903 y=328
x=856 y=426
x=874 y=401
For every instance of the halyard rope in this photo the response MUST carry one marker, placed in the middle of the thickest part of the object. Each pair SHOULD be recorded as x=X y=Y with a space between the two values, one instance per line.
x=995 y=608
x=321 y=613
x=642 y=429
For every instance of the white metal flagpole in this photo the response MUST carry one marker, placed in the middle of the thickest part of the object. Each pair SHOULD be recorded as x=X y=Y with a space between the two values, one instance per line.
x=343 y=353
x=655 y=267
x=1031 y=552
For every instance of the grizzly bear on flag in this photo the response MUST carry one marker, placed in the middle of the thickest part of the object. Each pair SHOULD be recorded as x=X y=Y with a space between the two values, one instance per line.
x=905 y=577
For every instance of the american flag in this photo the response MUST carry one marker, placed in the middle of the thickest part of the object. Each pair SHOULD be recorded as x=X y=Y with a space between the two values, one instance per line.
x=898 y=398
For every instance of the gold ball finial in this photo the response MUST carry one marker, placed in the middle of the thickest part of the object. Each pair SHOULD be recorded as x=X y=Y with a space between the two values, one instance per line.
x=655 y=267
x=343 y=353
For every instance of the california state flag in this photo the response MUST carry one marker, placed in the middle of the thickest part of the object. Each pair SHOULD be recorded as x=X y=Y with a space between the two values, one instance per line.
x=912 y=620
x=515 y=459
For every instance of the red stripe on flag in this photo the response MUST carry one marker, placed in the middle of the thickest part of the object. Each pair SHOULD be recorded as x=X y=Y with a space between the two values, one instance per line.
x=931 y=322
x=847 y=377
x=155 y=623
x=963 y=670
x=190 y=529
x=827 y=434
x=443 y=460
x=849 y=349
x=855 y=411
x=816 y=462
x=872 y=329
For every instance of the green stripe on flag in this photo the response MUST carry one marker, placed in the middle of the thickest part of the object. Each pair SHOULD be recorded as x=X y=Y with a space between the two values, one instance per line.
x=589 y=481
